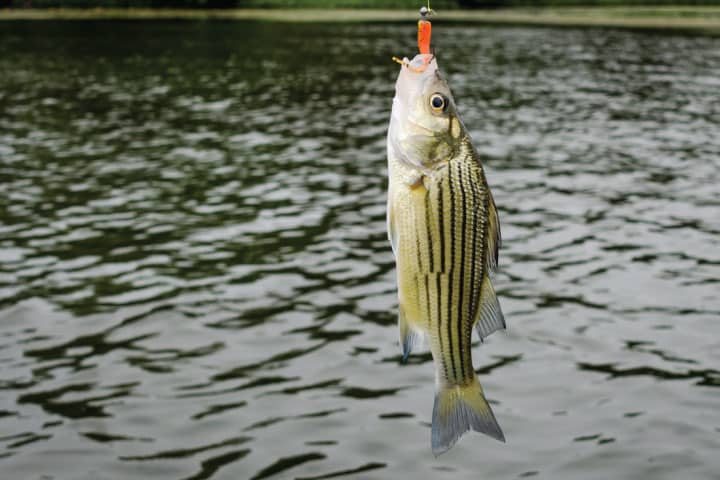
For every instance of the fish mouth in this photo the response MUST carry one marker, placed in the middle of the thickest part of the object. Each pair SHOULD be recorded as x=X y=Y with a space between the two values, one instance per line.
x=418 y=64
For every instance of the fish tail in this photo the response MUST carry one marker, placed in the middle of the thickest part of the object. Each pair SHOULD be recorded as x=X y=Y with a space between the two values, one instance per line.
x=457 y=409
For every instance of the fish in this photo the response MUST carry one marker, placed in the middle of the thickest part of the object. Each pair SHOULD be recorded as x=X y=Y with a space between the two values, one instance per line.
x=444 y=231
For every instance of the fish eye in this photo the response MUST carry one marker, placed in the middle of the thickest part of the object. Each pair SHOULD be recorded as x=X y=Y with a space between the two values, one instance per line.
x=437 y=102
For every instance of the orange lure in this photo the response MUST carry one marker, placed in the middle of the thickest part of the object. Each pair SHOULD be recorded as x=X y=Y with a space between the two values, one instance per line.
x=424 y=31
x=423 y=40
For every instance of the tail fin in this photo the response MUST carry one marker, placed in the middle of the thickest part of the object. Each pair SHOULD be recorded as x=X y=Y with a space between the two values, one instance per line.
x=458 y=409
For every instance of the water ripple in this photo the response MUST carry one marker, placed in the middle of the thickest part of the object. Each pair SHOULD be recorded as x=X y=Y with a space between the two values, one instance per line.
x=195 y=278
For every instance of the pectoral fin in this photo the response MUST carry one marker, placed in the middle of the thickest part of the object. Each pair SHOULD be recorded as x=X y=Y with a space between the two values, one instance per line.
x=392 y=228
x=409 y=338
x=489 y=316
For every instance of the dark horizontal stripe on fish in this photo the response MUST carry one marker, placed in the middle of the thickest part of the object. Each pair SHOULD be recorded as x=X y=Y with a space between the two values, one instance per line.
x=438 y=287
x=429 y=233
x=438 y=279
x=441 y=226
x=418 y=251
x=462 y=318
x=451 y=319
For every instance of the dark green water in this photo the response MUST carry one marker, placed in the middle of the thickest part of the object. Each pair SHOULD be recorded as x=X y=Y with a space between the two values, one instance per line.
x=195 y=280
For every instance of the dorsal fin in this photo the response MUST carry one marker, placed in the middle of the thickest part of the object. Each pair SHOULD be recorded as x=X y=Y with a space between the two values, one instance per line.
x=494 y=238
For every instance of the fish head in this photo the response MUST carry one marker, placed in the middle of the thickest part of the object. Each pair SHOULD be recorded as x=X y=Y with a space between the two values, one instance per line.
x=425 y=130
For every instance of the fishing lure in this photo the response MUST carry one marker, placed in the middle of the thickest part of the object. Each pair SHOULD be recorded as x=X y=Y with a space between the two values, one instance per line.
x=423 y=40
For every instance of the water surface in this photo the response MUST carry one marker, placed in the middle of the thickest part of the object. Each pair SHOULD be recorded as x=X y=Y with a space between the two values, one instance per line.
x=195 y=280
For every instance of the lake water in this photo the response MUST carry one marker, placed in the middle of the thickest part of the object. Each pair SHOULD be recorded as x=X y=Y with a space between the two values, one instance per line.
x=195 y=279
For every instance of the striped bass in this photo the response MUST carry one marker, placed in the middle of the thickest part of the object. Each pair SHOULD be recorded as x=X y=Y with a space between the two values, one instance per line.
x=445 y=234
